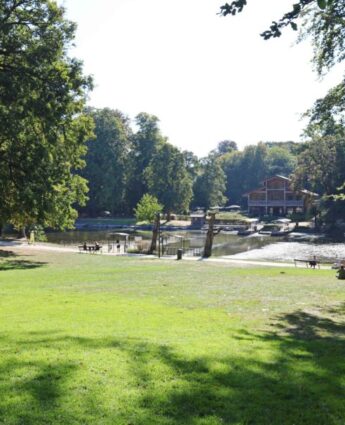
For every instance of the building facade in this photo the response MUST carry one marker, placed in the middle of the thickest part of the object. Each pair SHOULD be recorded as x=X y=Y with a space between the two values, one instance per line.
x=276 y=197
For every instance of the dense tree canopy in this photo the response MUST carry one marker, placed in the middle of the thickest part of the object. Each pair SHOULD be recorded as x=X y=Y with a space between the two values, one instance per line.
x=42 y=126
x=106 y=162
x=209 y=187
x=321 y=166
x=145 y=143
x=224 y=147
x=168 y=179
x=246 y=169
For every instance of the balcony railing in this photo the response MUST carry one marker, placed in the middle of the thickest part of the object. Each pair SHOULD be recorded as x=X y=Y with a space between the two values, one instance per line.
x=276 y=203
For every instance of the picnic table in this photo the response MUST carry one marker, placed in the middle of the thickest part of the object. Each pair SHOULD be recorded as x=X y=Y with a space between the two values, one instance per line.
x=311 y=262
x=91 y=248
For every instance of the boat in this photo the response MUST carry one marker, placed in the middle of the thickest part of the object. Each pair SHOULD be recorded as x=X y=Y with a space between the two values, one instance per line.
x=245 y=232
x=282 y=227
x=267 y=229
x=280 y=232
x=250 y=228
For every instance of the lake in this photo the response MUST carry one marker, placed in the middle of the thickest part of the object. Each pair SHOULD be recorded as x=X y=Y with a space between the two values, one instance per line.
x=227 y=244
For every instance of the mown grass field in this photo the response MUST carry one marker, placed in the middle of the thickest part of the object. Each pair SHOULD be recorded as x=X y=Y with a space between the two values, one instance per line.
x=91 y=339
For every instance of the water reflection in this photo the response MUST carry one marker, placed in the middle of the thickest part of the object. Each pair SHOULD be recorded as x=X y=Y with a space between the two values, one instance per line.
x=258 y=247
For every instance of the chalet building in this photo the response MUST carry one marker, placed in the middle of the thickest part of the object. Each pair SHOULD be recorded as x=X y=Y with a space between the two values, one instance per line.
x=276 y=197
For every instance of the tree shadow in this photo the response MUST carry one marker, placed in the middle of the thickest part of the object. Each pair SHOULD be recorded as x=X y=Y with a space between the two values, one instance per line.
x=38 y=386
x=20 y=265
x=7 y=262
x=292 y=374
x=5 y=254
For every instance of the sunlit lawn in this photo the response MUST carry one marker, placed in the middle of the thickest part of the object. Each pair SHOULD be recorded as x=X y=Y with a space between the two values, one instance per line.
x=91 y=339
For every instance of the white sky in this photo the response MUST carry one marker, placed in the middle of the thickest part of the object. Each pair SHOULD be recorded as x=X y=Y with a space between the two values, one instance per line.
x=207 y=78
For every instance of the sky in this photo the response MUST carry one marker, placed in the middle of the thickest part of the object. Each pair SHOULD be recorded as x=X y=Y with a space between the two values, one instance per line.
x=207 y=78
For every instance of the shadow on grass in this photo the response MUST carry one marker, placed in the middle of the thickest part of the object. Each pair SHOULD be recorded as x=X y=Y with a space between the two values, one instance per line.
x=5 y=254
x=32 y=393
x=294 y=374
x=20 y=265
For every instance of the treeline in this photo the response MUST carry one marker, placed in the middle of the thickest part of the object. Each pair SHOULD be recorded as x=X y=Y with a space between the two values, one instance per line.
x=122 y=165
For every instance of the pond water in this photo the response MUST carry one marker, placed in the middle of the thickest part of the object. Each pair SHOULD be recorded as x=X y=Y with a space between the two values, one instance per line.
x=229 y=244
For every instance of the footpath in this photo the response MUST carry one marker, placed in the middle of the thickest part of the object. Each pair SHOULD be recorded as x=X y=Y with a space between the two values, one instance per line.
x=24 y=246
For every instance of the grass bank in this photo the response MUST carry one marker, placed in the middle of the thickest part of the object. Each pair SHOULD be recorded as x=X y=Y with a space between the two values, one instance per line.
x=90 y=339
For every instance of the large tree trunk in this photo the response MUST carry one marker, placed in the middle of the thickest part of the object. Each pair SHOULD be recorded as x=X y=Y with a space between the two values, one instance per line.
x=209 y=236
x=155 y=232
x=22 y=233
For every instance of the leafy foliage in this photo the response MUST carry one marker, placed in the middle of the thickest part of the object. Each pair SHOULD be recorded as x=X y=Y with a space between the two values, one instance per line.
x=42 y=125
x=323 y=21
x=288 y=20
x=321 y=167
x=168 y=179
x=210 y=185
x=326 y=28
x=147 y=208
x=145 y=143
x=106 y=162
x=224 y=147
x=246 y=170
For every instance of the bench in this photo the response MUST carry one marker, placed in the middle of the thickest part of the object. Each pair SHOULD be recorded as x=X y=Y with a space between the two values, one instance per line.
x=312 y=263
x=90 y=248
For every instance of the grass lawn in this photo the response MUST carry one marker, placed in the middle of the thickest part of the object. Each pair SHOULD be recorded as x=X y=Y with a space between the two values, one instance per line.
x=91 y=339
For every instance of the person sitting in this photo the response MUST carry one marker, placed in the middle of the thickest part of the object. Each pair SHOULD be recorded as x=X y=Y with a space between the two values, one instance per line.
x=341 y=273
x=97 y=246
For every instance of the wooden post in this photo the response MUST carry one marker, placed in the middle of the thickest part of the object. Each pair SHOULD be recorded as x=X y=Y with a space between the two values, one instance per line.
x=209 y=236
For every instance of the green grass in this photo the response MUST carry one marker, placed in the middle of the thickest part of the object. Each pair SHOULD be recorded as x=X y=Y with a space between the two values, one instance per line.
x=91 y=339
x=235 y=217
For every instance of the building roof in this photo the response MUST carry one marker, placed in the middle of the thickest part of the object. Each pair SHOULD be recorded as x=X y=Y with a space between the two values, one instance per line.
x=279 y=176
x=262 y=189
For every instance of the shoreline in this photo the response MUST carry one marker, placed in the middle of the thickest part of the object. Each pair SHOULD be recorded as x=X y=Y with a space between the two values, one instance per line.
x=49 y=247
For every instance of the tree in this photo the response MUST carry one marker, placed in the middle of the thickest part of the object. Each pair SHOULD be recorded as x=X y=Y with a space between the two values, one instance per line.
x=209 y=236
x=236 y=175
x=192 y=163
x=106 y=162
x=289 y=19
x=147 y=208
x=168 y=179
x=225 y=147
x=42 y=125
x=209 y=187
x=280 y=161
x=323 y=21
x=245 y=170
x=145 y=143
x=321 y=167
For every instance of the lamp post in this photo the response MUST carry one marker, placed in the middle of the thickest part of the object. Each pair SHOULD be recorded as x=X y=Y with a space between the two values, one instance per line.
x=159 y=234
